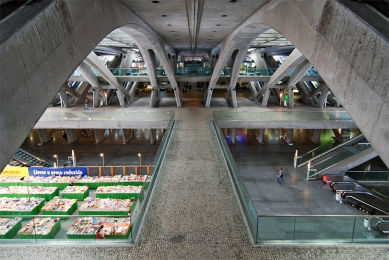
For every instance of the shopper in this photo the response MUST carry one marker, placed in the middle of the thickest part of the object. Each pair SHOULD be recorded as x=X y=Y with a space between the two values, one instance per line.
x=280 y=176
x=100 y=233
x=71 y=181
x=86 y=104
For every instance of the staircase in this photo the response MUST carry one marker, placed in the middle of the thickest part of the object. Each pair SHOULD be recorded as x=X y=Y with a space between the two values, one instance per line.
x=331 y=157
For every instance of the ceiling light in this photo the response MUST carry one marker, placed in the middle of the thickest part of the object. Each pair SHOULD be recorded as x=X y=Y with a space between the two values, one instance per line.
x=169 y=25
x=164 y=15
x=173 y=31
x=157 y=2
x=224 y=15
x=217 y=24
x=233 y=1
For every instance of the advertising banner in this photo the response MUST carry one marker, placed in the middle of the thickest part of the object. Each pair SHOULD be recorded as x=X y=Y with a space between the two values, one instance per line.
x=15 y=171
x=49 y=172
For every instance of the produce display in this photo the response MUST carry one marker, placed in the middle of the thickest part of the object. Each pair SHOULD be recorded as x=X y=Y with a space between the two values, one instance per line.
x=40 y=228
x=85 y=228
x=75 y=189
x=75 y=192
x=115 y=178
x=58 y=205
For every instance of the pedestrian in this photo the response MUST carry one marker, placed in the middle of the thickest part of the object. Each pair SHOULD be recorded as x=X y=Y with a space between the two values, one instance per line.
x=280 y=176
x=86 y=104
x=100 y=233
x=71 y=181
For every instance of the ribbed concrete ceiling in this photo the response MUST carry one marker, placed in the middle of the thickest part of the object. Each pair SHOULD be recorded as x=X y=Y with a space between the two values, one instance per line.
x=195 y=27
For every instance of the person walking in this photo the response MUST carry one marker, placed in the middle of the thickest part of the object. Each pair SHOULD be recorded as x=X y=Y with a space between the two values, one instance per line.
x=86 y=104
x=280 y=176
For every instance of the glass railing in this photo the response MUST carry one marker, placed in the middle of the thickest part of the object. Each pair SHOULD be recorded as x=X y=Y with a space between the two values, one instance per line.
x=368 y=175
x=31 y=220
x=141 y=205
x=243 y=195
x=195 y=71
x=321 y=229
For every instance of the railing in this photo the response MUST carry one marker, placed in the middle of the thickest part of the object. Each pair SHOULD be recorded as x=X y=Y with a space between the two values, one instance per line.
x=196 y=71
x=115 y=222
x=373 y=176
x=141 y=205
x=323 y=149
x=318 y=229
x=244 y=198
x=118 y=170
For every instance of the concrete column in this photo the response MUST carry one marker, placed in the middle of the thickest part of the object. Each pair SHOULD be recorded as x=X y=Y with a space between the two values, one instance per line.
x=96 y=97
x=70 y=135
x=323 y=97
x=44 y=136
x=64 y=97
x=119 y=93
x=316 y=135
x=233 y=135
x=152 y=136
x=126 y=135
x=134 y=87
x=260 y=135
x=265 y=97
x=98 y=136
x=254 y=91
x=288 y=136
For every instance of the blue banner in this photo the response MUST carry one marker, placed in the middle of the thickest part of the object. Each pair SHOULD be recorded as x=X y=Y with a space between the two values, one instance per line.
x=49 y=172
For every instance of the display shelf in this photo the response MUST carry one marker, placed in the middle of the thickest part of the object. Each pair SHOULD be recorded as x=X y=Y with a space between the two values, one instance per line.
x=114 y=228
x=118 y=192
x=75 y=192
x=106 y=207
x=40 y=228
x=48 y=193
x=9 y=227
x=127 y=180
x=21 y=206
x=58 y=206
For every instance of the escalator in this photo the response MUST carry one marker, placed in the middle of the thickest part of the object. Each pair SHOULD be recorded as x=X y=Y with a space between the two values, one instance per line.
x=29 y=157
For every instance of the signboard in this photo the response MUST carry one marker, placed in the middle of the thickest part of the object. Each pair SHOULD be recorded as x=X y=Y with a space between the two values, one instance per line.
x=15 y=171
x=49 y=172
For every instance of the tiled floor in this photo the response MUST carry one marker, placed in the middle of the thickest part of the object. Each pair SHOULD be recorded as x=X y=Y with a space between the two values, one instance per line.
x=194 y=212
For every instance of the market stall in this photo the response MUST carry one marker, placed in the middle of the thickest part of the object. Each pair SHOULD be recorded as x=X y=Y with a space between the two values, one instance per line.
x=118 y=192
x=98 y=181
x=113 y=228
x=9 y=227
x=48 y=193
x=75 y=192
x=40 y=228
x=100 y=207
x=21 y=206
x=58 y=206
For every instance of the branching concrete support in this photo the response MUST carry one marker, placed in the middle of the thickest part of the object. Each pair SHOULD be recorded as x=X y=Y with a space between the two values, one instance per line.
x=253 y=92
x=64 y=97
x=99 y=135
x=316 y=135
x=260 y=135
x=265 y=98
x=126 y=135
x=291 y=98
x=45 y=135
x=236 y=60
x=323 y=97
x=94 y=62
x=294 y=59
x=119 y=93
x=87 y=72
x=298 y=73
x=70 y=135
x=153 y=134
x=233 y=135
x=134 y=87
x=150 y=59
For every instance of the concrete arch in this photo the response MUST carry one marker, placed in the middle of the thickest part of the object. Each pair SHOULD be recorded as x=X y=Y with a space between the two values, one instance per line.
x=351 y=57
x=41 y=55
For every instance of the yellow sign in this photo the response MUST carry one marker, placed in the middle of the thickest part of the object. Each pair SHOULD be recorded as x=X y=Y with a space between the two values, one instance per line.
x=15 y=171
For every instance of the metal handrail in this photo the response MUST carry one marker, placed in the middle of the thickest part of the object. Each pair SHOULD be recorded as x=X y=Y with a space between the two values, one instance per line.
x=366 y=202
x=332 y=149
